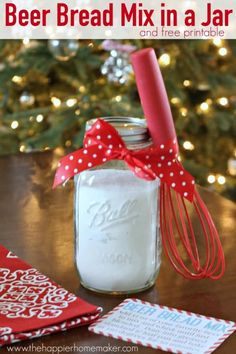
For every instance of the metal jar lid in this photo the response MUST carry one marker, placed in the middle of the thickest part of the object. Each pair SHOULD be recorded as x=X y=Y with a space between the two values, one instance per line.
x=132 y=130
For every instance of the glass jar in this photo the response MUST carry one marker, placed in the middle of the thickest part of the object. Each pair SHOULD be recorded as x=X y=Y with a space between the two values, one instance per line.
x=117 y=248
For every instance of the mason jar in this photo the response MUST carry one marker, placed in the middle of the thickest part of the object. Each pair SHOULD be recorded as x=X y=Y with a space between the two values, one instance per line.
x=116 y=214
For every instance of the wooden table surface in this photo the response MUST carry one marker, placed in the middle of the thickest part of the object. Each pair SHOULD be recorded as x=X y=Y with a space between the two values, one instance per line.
x=37 y=224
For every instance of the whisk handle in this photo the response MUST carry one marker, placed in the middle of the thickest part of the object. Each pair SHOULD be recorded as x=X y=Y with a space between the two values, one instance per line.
x=153 y=96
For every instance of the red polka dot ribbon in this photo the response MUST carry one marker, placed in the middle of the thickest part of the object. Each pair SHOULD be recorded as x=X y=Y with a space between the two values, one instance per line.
x=103 y=143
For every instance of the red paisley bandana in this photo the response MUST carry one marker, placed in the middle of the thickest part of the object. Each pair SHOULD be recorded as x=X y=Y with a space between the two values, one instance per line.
x=32 y=305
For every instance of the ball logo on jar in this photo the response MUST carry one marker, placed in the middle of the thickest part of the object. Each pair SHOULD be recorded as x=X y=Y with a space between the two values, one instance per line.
x=104 y=216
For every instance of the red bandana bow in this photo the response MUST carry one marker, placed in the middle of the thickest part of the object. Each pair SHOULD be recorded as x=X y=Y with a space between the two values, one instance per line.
x=102 y=143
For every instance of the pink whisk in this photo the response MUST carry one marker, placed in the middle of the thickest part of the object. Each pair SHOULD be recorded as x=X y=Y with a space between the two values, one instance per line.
x=177 y=228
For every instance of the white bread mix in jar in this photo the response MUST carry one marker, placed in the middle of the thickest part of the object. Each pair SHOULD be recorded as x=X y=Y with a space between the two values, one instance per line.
x=116 y=214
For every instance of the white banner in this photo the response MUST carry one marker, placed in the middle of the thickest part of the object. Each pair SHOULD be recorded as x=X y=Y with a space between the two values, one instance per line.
x=117 y=19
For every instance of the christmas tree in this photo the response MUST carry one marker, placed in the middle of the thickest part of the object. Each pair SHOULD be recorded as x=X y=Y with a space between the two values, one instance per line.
x=50 y=88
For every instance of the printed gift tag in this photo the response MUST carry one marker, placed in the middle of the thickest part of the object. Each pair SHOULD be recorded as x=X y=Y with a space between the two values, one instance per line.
x=164 y=328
